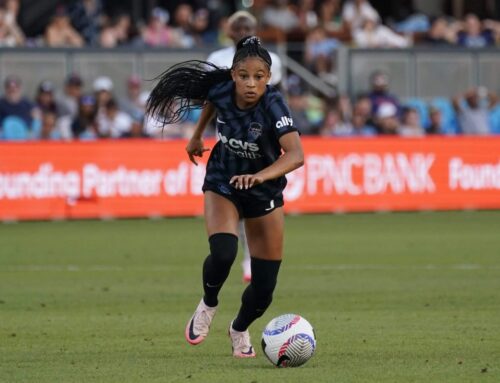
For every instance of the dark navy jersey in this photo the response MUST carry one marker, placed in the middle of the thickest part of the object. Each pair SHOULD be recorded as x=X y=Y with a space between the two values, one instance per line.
x=248 y=140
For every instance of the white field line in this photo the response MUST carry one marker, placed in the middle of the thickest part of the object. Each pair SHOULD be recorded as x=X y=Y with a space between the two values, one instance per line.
x=313 y=267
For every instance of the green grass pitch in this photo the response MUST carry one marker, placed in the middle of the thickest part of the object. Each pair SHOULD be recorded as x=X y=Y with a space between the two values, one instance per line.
x=406 y=297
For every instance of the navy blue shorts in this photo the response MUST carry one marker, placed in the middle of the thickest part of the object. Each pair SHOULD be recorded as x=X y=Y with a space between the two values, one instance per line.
x=248 y=207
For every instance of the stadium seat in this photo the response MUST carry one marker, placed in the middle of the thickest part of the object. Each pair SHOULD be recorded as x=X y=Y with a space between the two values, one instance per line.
x=494 y=119
x=450 y=122
x=15 y=128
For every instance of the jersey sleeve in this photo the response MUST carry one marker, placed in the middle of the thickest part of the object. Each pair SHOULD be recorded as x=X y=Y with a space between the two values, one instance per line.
x=280 y=117
x=218 y=91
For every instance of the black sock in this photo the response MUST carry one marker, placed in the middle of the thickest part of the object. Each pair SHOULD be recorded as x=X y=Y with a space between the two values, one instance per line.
x=223 y=250
x=259 y=294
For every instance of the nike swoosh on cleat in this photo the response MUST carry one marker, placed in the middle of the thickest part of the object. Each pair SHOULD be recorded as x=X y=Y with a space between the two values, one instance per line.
x=249 y=352
x=192 y=335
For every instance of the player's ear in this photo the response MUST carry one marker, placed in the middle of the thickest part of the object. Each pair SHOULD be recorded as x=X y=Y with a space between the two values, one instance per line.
x=233 y=75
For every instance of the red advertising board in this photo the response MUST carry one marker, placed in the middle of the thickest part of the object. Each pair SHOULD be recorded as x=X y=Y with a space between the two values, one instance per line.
x=136 y=178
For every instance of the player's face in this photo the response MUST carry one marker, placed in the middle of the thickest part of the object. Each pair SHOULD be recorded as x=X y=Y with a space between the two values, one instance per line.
x=251 y=77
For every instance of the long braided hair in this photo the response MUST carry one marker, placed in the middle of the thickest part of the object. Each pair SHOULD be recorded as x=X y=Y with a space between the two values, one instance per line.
x=185 y=86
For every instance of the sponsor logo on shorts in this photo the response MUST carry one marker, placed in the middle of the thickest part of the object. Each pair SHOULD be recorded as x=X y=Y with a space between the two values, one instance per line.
x=224 y=189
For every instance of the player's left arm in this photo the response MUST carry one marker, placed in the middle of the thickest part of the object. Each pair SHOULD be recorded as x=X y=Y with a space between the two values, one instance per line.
x=292 y=158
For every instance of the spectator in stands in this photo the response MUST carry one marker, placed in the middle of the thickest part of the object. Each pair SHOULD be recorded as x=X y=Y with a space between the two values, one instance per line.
x=201 y=27
x=473 y=34
x=278 y=15
x=473 y=109
x=411 y=125
x=136 y=131
x=117 y=32
x=15 y=107
x=134 y=102
x=361 y=124
x=44 y=97
x=333 y=124
x=320 y=54
x=440 y=33
x=86 y=17
x=10 y=33
x=49 y=129
x=68 y=101
x=297 y=101
x=363 y=106
x=157 y=33
x=337 y=120
x=380 y=92
x=306 y=15
x=60 y=33
x=241 y=24
x=183 y=22
x=84 y=126
x=103 y=91
x=113 y=122
x=435 y=121
x=331 y=20
x=356 y=12
x=372 y=34
x=386 y=119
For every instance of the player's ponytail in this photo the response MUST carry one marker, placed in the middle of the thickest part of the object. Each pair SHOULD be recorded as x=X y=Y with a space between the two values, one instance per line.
x=186 y=85
x=250 y=47
x=182 y=87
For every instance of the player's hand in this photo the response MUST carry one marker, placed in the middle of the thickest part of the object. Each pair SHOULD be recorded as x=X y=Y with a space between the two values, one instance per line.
x=245 y=181
x=195 y=148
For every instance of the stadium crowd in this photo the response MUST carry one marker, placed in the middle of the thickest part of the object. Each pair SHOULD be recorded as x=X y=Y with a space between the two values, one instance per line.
x=319 y=26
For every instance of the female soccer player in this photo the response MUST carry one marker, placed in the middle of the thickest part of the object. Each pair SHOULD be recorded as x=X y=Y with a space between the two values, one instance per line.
x=258 y=144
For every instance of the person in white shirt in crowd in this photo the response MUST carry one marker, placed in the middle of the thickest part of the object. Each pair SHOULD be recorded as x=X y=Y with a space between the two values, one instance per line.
x=241 y=24
x=10 y=33
x=103 y=92
x=387 y=120
x=279 y=15
x=372 y=34
x=103 y=89
x=355 y=12
x=473 y=109
x=113 y=122
x=134 y=102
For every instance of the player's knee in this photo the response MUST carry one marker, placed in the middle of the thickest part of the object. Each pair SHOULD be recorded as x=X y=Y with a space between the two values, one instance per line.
x=223 y=248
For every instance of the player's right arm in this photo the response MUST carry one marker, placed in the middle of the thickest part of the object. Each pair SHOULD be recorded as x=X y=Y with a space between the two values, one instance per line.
x=195 y=145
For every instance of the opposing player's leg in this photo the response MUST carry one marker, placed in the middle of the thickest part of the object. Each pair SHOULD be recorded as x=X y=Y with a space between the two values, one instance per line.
x=245 y=264
x=265 y=240
x=221 y=218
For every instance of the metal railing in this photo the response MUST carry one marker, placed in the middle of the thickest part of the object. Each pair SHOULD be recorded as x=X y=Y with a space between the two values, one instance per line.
x=417 y=72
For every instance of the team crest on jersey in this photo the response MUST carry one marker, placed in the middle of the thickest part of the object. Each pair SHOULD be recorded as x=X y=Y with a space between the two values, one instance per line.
x=255 y=130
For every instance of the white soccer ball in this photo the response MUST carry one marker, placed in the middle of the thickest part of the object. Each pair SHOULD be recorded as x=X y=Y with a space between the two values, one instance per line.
x=288 y=340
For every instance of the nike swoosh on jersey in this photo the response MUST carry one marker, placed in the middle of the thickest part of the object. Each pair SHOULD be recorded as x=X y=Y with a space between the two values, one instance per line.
x=220 y=121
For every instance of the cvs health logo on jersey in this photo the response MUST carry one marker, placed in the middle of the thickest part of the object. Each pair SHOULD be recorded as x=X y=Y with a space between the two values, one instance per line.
x=241 y=148
x=284 y=121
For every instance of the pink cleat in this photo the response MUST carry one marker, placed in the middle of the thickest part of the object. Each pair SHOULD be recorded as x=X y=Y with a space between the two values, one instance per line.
x=242 y=348
x=199 y=324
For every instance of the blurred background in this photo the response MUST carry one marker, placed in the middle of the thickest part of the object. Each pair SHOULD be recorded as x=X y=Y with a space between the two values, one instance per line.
x=82 y=69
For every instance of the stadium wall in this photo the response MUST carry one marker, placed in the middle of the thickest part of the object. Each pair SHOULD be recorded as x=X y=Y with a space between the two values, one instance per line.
x=147 y=178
